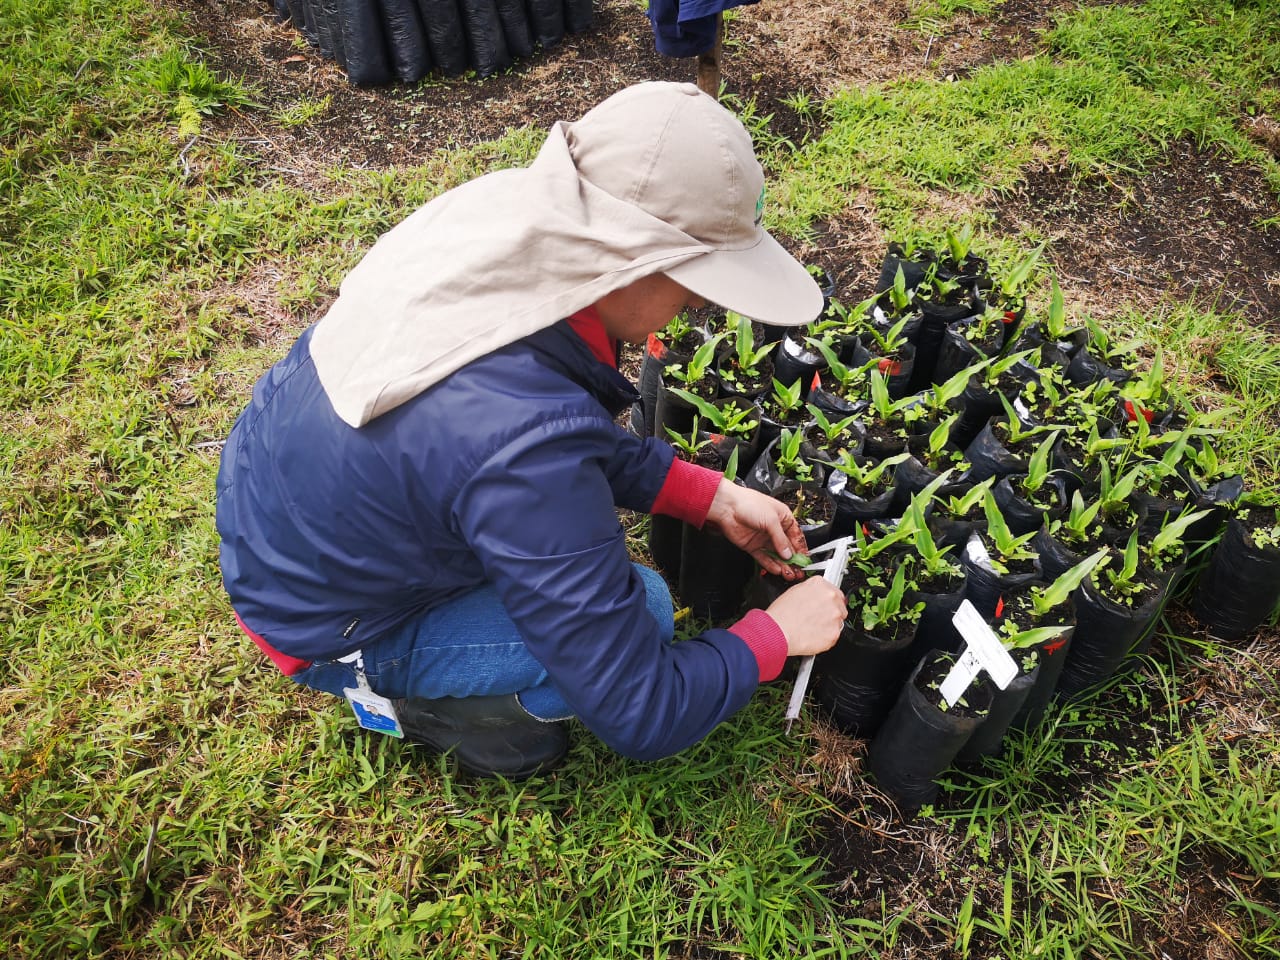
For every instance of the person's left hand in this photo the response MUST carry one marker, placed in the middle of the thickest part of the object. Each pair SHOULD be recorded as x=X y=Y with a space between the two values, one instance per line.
x=760 y=525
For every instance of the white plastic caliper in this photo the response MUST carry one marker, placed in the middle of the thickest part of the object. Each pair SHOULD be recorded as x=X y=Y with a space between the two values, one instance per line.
x=832 y=570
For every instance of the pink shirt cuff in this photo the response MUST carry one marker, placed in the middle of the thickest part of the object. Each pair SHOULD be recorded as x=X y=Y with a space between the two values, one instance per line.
x=764 y=638
x=687 y=492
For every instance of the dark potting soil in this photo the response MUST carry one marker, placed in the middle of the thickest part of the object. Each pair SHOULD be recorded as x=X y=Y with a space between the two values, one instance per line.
x=885 y=440
x=1042 y=499
x=938 y=583
x=687 y=343
x=789 y=419
x=710 y=459
x=856 y=580
x=750 y=385
x=929 y=682
x=1015 y=608
x=832 y=446
x=809 y=508
x=1148 y=580
x=1023 y=447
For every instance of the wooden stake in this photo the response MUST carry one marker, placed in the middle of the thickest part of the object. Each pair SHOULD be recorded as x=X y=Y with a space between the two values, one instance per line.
x=709 y=62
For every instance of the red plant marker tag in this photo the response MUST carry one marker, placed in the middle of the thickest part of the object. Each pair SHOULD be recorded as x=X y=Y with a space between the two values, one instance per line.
x=890 y=368
x=657 y=349
x=1000 y=607
x=715 y=437
x=1010 y=316
x=1131 y=411
x=817 y=382
x=1052 y=648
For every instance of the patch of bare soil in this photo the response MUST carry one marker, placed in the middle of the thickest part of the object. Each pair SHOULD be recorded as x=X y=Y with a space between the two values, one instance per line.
x=923 y=866
x=1188 y=228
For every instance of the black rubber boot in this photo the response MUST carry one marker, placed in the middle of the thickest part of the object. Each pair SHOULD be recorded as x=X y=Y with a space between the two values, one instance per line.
x=489 y=736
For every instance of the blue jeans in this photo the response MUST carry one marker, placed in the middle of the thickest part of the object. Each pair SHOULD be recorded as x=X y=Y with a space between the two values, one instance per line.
x=467 y=647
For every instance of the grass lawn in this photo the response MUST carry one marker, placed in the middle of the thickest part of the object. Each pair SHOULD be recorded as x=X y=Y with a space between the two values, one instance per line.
x=163 y=793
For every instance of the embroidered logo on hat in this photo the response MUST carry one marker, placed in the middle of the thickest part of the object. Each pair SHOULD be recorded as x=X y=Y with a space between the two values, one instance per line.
x=760 y=207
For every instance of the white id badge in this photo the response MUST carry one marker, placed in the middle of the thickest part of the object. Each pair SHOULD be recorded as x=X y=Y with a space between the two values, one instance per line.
x=374 y=712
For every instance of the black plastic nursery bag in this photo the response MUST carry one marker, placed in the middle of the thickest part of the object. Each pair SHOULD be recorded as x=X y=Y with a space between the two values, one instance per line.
x=446 y=40
x=918 y=741
x=1240 y=587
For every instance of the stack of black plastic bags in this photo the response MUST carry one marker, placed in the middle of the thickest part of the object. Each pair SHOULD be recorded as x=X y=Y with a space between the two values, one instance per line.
x=378 y=41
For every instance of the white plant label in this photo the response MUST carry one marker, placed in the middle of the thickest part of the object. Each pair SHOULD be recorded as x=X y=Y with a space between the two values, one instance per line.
x=833 y=572
x=983 y=652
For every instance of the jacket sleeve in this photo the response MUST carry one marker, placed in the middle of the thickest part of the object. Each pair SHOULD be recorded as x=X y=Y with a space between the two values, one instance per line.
x=645 y=475
x=539 y=514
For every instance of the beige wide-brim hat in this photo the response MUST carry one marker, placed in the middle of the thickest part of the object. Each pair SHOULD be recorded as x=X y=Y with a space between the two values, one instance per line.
x=659 y=178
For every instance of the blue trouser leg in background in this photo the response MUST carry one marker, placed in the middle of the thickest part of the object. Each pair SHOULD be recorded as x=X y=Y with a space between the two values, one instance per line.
x=468 y=647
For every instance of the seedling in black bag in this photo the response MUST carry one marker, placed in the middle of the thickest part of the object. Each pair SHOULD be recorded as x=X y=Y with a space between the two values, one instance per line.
x=1055 y=322
x=1113 y=495
x=785 y=400
x=846 y=321
x=963 y=506
x=886 y=409
x=1033 y=484
x=866 y=476
x=1013 y=284
x=934 y=560
x=832 y=432
x=689 y=445
x=1123 y=583
x=1015 y=430
x=889 y=342
x=1080 y=525
x=1166 y=547
x=850 y=381
x=735 y=419
x=1047 y=598
x=694 y=373
x=890 y=607
x=899 y=296
x=786 y=456
x=1008 y=549
x=747 y=360
x=1164 y=552
x=938 y=399
x=937 y=456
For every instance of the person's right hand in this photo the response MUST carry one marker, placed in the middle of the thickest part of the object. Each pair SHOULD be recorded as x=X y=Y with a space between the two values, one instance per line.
x=810 y=615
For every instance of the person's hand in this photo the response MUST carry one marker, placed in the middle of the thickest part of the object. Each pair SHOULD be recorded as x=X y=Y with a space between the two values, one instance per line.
x=760 y=525
x=810 y=615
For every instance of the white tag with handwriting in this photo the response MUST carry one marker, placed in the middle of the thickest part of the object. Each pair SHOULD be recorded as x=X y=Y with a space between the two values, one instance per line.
x=983 y=652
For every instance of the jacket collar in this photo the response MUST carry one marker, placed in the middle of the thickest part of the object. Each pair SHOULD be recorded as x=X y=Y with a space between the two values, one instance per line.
x=570 y=353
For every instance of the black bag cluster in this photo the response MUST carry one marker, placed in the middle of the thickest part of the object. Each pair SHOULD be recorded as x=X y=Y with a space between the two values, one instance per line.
x=934 y=316
x=378 y=41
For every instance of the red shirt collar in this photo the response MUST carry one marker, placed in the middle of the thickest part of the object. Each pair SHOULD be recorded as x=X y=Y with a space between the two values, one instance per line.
x=586 y=324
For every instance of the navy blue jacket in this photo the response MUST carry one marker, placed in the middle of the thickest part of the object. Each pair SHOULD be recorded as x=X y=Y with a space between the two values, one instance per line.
x=508 y=471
